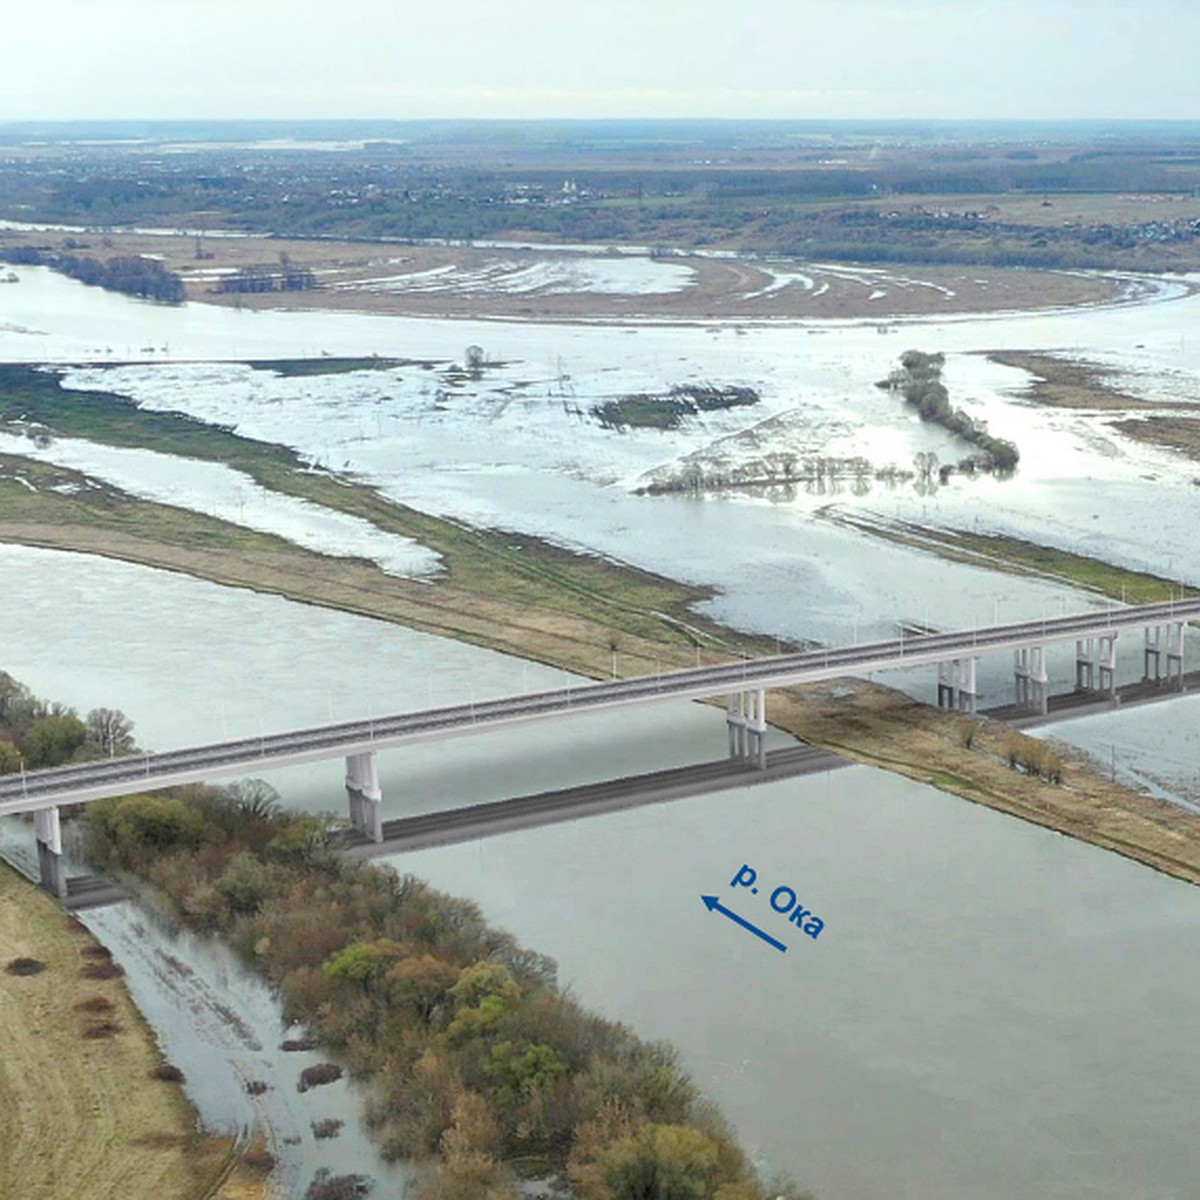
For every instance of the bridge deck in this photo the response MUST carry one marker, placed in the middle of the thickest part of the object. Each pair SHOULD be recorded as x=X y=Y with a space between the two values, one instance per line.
x=473 y=822
x=91 y=781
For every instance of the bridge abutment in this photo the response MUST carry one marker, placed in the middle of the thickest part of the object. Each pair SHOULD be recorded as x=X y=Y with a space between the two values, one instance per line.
x=746 y=718
x=364 y=794
x=47 y=831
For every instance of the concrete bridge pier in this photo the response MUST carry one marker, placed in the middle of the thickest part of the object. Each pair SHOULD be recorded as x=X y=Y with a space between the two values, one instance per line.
x=364 y=794
x=1029 y=674
x=1107 y=671
x=1085 y=665
x=1158 y=648
x=48 y=834
x=1152 y=652
x=746 y=718
x=1175 y=654
x=956 y=684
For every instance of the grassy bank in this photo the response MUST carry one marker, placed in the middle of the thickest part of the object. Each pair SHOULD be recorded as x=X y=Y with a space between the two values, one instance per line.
x=83 y=1117
x=515 y=594
x=1000 y=552
x=970 y=758
x=528 y=576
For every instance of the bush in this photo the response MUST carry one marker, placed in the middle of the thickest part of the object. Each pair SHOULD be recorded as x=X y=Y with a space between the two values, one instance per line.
x=167 y=1073
x=98 y=1030
x=53 y=740
x=312 y=1077
x=245 y=883
x=102 y=970
x=95 y=1004
x=140 y=827
x=327 y=1186
x=327 y=1127
x=24 y=966
x=10 y=758
x=293 y=1044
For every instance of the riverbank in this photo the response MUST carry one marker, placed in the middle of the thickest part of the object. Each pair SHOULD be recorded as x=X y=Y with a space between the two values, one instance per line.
x=570 y=284
x=540 y=602
x=1014 y=556
x=85 y=1118
x=518 y=594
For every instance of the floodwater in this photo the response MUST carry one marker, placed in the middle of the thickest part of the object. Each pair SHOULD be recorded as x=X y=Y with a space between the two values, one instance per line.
x=991 y=1010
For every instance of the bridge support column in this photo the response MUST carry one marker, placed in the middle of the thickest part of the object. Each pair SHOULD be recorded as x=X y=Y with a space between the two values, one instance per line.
x=735 y=721
x=746 y=717
x=1107 y=673
x=968 y=693
x=1029 y=672
x=363 y=792
x=48 y=834
x=1152 y=652
x=956 y=684
x=1085 y=664
x=1175 y=654
x=1158 y=648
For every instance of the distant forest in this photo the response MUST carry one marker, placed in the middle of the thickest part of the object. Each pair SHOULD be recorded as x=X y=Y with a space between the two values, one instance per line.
x=887 y=191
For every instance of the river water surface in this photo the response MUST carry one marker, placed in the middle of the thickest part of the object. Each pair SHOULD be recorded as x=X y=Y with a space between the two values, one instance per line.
x=991 y=1011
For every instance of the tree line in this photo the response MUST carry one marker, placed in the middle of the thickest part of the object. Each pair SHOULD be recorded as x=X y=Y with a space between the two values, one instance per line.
x=35 y=734
x=484 y=1070
x=479 y=1061
x=919 y=380
x=130 y=274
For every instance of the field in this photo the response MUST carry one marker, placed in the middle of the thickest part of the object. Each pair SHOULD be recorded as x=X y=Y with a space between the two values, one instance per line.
x=536 y=283
x=84 y=1119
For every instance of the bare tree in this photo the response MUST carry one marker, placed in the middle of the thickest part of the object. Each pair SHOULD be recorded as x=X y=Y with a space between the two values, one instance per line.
x=111 y=730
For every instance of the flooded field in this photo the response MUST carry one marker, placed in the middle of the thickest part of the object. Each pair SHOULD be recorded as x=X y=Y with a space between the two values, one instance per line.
x=995 y=1011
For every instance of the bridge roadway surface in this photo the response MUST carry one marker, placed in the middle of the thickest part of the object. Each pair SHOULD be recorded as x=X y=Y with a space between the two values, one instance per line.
x=448 y=827
x=92 y=781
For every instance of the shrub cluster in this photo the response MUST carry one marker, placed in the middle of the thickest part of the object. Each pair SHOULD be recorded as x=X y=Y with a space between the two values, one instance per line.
x=919 y=379
x=131 y=274
x=478 y=1058
x=668 y=411
x=35 y=734
x=1033 y=756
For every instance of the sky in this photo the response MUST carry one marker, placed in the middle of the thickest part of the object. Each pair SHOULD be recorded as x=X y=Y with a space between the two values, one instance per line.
x=796 y=59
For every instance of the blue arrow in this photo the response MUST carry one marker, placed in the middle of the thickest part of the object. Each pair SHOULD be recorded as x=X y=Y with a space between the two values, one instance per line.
x=714 y=905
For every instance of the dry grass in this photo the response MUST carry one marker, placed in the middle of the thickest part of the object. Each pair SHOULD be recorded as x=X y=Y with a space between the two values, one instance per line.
x=721 y=289
x=1061 y=383
x=82 y=1120
x=1178 y=433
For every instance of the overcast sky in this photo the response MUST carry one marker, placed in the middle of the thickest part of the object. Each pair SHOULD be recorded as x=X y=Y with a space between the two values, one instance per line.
x=69 y=59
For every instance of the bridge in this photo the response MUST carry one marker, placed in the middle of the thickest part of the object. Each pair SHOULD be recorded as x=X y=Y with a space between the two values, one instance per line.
x=743 y=683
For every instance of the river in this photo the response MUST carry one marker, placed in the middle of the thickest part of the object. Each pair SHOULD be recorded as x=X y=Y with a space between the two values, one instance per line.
x=991 y=1010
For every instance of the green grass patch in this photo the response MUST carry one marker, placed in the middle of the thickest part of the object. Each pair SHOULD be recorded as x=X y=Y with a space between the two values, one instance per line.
x=1013 y=555
x=1134 y=587
x=671 y=409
